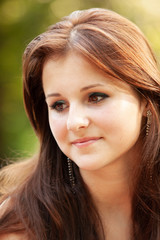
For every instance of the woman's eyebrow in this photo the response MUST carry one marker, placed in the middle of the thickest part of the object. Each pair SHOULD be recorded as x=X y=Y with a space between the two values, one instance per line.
x=91 y=86
x=53 y=95
x=81 y=90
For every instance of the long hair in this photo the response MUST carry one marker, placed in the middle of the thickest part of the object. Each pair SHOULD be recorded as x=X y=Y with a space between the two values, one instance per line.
x=45 y=204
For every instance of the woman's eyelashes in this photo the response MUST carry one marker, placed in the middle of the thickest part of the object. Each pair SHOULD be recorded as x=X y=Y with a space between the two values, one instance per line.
x=94 y=98
x=59 y=106
x=97 y=97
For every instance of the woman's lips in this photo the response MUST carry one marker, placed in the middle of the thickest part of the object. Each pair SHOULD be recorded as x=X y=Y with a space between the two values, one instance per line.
x=84 y=142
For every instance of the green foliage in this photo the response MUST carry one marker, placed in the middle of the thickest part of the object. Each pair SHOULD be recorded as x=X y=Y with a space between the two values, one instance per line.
x=21 y=21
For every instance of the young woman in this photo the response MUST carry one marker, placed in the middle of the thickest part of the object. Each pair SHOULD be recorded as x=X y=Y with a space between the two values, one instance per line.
x=92 y=94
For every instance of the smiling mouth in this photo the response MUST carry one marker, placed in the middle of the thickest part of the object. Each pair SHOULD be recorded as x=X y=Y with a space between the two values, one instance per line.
x=85 y=142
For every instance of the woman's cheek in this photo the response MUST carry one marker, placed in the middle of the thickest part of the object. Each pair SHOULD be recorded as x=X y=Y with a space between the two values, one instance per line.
x=106 y=116
x=57 y=126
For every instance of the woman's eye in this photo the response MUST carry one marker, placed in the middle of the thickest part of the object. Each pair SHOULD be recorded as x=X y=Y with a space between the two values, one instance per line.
x=97 y=97
x=59 y=106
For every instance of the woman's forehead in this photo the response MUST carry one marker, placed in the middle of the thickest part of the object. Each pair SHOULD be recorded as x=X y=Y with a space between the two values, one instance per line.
x=75 y=63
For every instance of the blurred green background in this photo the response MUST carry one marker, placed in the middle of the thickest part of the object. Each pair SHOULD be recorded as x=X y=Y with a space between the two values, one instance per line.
x=20 y=22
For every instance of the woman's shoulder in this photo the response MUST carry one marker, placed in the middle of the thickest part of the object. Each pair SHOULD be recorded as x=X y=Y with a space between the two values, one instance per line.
x=14 y=236
x=12 y=179
x=4 y=206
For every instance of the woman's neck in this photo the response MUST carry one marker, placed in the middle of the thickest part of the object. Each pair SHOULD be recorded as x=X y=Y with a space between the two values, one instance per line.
x=111 y=191
x=111 y=185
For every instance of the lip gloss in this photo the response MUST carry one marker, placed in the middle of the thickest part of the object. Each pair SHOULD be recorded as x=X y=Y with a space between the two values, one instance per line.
x=85 y=142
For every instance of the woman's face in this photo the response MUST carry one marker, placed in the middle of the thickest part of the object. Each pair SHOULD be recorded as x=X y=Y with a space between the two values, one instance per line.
x=95 y=120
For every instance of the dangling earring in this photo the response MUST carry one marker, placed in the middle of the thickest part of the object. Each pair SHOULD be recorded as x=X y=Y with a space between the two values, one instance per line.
x=70 y=172
x=149 y=115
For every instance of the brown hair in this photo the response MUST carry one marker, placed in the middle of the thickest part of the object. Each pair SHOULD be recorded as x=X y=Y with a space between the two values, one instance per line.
x=45 y=203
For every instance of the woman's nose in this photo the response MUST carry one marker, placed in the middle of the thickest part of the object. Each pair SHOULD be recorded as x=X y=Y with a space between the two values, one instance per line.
x=77 y=119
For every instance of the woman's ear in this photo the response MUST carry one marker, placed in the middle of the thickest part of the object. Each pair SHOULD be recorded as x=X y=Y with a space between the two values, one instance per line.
x=145 y=107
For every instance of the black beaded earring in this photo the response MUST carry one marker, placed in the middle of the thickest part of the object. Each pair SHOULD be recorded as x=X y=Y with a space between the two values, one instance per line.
x=149 y=115
x=70 y=172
